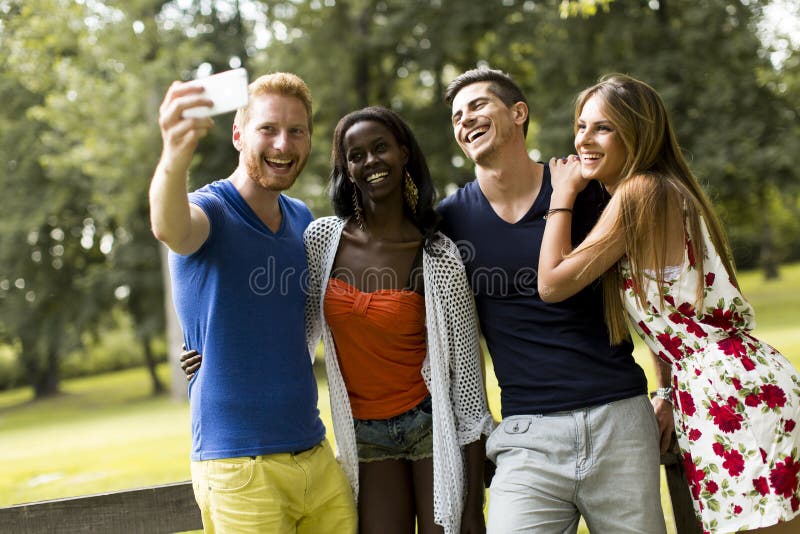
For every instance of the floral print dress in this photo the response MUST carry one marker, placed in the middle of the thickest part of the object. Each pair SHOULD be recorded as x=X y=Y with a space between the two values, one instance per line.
x=736 y=399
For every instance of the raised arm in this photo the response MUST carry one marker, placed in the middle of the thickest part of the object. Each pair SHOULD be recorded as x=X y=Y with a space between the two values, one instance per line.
x=183 y=227
x=559 y=277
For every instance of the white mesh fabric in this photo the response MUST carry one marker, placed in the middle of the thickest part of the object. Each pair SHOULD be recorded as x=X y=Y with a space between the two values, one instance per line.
x=451 y=369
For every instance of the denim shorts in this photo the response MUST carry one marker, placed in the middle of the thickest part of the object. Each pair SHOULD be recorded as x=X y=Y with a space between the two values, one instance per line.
x=408 y=436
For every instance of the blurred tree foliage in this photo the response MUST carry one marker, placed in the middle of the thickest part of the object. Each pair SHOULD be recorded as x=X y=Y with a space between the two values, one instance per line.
x=734 y=111
x=82 y=141
x=81 y=81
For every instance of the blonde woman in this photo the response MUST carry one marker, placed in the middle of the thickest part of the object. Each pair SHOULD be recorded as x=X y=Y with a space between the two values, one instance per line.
x=666 y=266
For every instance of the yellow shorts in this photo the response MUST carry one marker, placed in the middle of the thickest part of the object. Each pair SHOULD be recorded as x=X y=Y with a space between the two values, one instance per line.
x=304 y=492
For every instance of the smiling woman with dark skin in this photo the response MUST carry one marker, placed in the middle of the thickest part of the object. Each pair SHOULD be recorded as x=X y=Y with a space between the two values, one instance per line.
x=389 y=296
x=390 y=299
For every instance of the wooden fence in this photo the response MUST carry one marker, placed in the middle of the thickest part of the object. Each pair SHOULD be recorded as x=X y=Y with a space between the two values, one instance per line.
x=172 y=508
x=153 y=510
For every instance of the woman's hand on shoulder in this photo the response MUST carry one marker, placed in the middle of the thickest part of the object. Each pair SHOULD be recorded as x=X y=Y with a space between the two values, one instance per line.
x=565 y=175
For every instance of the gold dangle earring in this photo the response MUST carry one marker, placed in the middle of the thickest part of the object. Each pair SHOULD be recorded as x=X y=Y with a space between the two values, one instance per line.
x=410 y=192
x=359 y=213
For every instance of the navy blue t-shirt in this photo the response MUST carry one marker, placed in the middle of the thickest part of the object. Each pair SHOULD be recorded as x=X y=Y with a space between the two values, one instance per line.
x=241 y=302
x=547 y=357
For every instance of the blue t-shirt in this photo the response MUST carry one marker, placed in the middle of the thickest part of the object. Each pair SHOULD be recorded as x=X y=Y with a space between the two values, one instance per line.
x=241 y=300
x=547 y=357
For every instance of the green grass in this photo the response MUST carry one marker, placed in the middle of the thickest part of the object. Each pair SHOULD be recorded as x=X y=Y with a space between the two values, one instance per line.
x=104 y=433
x=108 y=433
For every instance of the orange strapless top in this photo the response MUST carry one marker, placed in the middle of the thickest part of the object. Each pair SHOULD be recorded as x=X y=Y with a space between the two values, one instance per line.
x=381 y=343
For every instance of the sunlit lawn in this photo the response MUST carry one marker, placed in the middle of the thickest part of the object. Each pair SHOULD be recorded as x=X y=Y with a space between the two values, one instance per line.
x=107 y=433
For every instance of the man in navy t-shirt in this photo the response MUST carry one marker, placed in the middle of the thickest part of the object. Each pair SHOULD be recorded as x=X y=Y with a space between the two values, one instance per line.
x=260 y=461
x=579 y=436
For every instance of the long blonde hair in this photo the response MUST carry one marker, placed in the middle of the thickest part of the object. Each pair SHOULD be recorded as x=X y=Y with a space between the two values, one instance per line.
x=655 y=182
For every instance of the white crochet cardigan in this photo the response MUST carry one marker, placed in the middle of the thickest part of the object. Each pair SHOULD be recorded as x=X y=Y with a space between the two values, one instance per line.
x=451 y=369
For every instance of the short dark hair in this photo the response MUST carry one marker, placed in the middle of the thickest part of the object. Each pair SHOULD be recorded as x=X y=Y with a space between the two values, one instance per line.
x=424 y=217
x=502 y=85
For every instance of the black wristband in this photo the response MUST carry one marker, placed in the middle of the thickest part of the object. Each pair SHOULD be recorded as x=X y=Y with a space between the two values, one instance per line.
x=551 y=211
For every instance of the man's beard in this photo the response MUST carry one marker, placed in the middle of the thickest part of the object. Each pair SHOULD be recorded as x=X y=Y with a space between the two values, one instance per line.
x=253 y=164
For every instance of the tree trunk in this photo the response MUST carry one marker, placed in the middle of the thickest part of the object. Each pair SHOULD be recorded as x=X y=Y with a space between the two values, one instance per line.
x=158 y=387
x=767 y=256
x=47 y=382
x=30 y=362
x=40 y=373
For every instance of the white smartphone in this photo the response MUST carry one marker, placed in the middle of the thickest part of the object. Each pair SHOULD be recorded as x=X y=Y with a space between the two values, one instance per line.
x=228 y=91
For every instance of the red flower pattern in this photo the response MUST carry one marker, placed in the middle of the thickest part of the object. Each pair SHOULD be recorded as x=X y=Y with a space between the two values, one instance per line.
x=627 y=283
x=784 y=477
x=752 y=400
x=732 y=346
x=710 y=279
x=773 y=396
x=686 y=309
x=725 y=418
x=693 y=475
x=719 y=318
x=732 y=404
x=761 y=485
x=672 y=344
x=734 y=462
x=686 y=402
x=644 y=328
x=693 y=328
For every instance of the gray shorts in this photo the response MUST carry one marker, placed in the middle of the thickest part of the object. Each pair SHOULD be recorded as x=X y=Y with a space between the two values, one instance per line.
x=408 y=436
x=601 y=463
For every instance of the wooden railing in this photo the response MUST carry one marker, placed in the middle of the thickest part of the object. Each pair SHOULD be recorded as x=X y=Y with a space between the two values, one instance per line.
x=172 y=508
x=153 y=510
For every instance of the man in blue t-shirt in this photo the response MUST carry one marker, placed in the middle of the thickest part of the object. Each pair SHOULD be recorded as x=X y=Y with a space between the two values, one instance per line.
x=260 y=461
x=579 y=436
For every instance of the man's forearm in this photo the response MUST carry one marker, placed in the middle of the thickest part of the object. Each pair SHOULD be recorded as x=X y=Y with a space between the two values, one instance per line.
x=170 y=215
x=662 y=403
x=173 y=221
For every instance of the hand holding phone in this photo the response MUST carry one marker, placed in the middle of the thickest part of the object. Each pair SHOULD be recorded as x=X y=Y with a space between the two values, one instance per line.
x=227 y=90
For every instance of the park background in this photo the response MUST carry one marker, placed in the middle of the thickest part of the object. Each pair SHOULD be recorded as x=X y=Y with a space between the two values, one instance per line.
x=84 y=378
